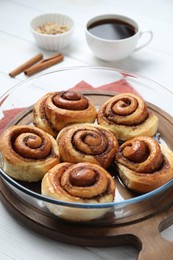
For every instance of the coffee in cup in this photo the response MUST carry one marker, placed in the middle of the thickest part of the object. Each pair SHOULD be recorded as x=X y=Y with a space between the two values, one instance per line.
x=114 y=37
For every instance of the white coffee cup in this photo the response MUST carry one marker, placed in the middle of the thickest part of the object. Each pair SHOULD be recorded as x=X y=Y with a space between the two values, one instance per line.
x=115 y=49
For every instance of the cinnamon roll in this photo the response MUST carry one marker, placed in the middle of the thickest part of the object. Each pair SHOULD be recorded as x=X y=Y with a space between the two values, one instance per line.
x=87 y=143
x=28 y=152
x=127 y=116
x=144 y=164
x=78 y=183
x=56 y=110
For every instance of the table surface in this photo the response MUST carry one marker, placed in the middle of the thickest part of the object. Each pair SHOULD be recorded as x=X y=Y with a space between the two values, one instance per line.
x=17 y=45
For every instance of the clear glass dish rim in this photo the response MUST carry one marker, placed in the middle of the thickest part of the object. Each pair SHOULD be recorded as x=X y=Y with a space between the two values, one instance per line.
x=38 y=196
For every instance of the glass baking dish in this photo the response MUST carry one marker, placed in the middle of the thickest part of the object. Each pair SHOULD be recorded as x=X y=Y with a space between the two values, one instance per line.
x=97 y=83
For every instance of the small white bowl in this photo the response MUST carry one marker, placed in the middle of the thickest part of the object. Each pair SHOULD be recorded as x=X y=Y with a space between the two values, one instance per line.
x=52 y=42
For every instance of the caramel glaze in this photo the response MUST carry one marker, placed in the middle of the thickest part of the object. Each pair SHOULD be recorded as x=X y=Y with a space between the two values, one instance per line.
x=30 y=143
x=141 y=154
x=113 y=118
x=143 y=164
x=83 y=176
x=28 y=152
x=136 y=152
x=125 y=119
x=125 y=109
x=83 y=182
x=56 y=110
x=70 y=100
x=88 y=177
x=87 y=143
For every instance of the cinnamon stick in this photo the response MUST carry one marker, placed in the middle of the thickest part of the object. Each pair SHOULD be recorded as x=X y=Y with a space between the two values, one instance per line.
x=44 y=64
x=26 y=65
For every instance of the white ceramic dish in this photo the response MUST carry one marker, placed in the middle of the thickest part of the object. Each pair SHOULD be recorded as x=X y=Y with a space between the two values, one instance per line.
x=52 y=42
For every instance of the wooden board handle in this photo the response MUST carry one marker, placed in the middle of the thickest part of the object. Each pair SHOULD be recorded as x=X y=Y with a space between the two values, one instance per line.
x=145 y=234
x=157 y=248
x=152 y=245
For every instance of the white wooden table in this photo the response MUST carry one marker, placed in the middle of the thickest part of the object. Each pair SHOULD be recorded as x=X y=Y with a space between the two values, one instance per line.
x=17 y=45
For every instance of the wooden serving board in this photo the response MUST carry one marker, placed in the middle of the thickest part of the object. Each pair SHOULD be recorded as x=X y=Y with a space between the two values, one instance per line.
x=142 y=232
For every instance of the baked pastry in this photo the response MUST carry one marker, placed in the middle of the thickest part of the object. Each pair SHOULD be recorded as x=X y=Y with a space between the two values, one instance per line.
x=87 y=143
x=144 y=164
x=78 y=183
x=28 y=152
x=56 y=110
x=127 y=116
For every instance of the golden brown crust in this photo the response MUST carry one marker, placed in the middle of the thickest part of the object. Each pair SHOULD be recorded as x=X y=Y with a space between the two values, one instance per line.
x=56 y=110
x=127 y=116
x=143 y=164
x=78 y=183
x=87 y=143
x=28 y=152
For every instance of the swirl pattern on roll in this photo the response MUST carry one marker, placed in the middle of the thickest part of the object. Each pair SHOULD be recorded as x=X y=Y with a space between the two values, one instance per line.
x=144 y=164
x=87 y=143
x=28 y=152
x=79 y=183
x=56 y=110
x=127 y=116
